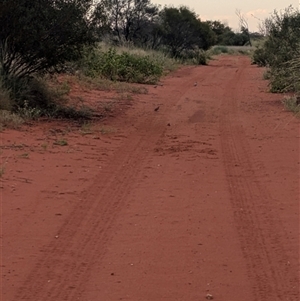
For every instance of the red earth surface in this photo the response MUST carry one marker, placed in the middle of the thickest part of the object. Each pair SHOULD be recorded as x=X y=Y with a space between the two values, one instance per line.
x=196 y=200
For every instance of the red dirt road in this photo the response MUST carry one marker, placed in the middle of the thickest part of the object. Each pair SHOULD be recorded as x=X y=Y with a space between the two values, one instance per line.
x=200 y=197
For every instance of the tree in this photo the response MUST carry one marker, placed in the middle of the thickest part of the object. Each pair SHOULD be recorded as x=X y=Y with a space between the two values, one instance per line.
x=100 y=20
x=36 y=35
x=220 y=29
x=129 y=19
x=182 y=30
x=226 y=36
x=244 y=25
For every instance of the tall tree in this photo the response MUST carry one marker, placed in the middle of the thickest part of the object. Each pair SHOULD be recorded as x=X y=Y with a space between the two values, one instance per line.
x=183 y=30
x=221 y=30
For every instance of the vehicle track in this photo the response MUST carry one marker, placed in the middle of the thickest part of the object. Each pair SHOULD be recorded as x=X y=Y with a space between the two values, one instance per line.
x=199 y=128
x=63 y=266
x=259 y=230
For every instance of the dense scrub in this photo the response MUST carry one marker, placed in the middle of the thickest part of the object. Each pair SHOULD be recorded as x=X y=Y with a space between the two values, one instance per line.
x=121 y=67
x=280 y=51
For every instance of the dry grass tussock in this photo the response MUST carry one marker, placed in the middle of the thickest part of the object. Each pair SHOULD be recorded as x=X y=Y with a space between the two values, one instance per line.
x=10 y=120
x=292 y=103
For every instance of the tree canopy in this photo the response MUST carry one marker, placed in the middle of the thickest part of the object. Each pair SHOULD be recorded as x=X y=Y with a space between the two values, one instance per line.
x=36 y=35
x=181 y=29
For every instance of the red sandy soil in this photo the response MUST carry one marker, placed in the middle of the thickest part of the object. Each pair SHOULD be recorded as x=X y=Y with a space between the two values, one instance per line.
x=199 y=197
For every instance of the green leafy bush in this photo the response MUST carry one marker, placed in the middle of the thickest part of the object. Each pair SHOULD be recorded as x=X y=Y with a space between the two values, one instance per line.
x=280 y=51
x=121 y=67
x=260 y=57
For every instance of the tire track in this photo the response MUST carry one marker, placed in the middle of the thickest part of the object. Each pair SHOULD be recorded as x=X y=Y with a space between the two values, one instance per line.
x=263 y=247
x=64 y=265
x=68 y=258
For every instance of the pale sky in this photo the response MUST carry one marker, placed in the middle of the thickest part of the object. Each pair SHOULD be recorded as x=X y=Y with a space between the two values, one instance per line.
x=224 y=10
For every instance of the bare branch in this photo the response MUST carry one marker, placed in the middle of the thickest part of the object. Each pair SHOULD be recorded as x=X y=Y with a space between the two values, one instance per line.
x=244 y=26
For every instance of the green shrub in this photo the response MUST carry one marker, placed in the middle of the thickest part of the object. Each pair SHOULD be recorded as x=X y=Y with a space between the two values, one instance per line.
x=121 y=67
x=195 y=56
x=26 y=92
x=280 y=50
x=286 y=77
x=201 y=57
x=217 y=50
x=31 y=98
x=29 y=112
x=260 y=57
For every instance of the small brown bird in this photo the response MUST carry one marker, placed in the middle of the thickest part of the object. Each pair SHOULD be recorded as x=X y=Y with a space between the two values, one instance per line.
x=156 y=109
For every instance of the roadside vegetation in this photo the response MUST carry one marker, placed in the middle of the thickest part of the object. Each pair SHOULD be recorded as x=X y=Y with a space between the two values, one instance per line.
x=99 y=42
x=292 y=103
x=280 y=53
x=280 y=50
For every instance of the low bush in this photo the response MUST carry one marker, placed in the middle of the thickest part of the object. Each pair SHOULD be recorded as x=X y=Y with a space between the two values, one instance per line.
x=82 y=112
x=10 y=120
x=260 y=57
x=285 y=77
x=33 y=97
x=121 y=67
x=292 y=103
x=201 y=57
x=195 y=56
x=217 y=50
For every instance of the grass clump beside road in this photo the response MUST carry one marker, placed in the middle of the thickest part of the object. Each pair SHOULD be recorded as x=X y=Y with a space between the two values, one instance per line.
x=61 y=142
x=292 y=103
x=10 y=120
